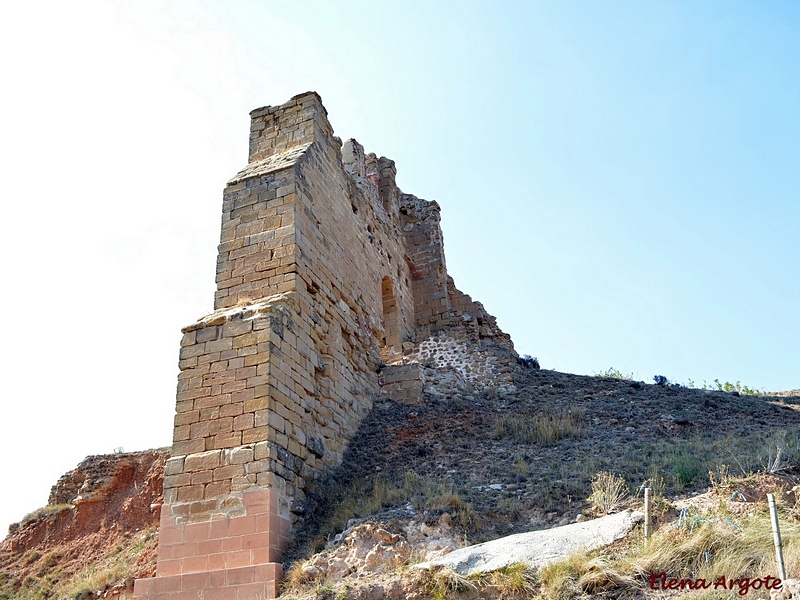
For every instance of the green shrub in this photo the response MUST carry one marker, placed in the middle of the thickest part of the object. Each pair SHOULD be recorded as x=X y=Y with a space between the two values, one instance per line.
x=613 y=373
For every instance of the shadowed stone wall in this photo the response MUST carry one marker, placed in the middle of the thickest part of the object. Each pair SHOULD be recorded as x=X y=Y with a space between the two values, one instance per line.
x=332 y=288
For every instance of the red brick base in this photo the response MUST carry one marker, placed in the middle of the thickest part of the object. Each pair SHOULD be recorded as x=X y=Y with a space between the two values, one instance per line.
x=227 y=558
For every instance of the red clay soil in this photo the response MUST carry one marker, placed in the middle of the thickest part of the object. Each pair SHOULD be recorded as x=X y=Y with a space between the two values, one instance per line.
x=109 y=504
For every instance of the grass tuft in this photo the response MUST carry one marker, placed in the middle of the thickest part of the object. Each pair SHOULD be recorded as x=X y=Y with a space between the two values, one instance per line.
x=546 y=428
x=45 y=511
x=49 y=576
x=443 y=582
x=516 y=580
x=613 y=373
x=609 y=493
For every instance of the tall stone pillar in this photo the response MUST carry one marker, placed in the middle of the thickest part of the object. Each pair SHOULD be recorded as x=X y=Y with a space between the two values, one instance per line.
x=231 y=477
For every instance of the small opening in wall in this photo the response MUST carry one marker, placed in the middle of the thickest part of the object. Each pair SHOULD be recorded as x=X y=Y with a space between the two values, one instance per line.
x=390 y=343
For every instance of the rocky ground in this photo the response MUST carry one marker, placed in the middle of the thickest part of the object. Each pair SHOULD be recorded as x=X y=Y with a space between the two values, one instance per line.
x=499 y=464
x=426 y=479
x=423 y=479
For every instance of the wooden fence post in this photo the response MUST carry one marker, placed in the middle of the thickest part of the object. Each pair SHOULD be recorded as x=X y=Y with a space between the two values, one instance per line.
x=776 y=534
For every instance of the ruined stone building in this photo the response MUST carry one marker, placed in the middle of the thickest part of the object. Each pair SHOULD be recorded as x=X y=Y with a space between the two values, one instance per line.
x=332 y=289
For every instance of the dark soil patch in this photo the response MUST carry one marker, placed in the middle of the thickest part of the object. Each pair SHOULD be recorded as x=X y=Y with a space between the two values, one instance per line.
x=472 y=445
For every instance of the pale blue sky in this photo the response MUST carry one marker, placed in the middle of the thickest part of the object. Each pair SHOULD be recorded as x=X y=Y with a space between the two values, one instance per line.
x=618 y=184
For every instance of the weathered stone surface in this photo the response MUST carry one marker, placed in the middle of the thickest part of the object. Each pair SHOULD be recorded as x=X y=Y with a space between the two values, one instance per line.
x=326 y=273
x=539 y=548
x=371 y=548
x=202 y=461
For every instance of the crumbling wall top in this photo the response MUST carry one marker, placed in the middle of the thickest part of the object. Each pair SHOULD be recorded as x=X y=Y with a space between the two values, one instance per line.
x=301 y=121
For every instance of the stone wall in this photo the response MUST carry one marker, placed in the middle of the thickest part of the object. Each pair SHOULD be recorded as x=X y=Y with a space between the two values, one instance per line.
x=404 y=383
x=326 y=273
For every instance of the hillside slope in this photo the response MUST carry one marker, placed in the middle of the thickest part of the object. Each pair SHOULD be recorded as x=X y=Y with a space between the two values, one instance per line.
x=455 y=469
x=97 y=532
x=525 y=460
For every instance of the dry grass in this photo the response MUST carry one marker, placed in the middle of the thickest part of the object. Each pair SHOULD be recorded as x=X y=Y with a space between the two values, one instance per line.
x=443 y=583
x=45 y=511
x=48 y=578
x=698 y=546
x=559 y=580
x=659 y=503
x=703 y=546
x=545 y=429
x=295 y=579
x=609 y=493
x=113 y=569
x=360 y=499
x=517 y=580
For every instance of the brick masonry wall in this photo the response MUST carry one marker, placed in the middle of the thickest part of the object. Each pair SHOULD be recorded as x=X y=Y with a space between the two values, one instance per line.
x=403 y=382
x=233 y=557
x=326 y=272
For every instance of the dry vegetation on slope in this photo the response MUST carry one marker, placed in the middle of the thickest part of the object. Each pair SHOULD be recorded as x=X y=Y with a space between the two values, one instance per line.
x=503 y=464
x=491 y=465
x=97 y=532
x=470 y=468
